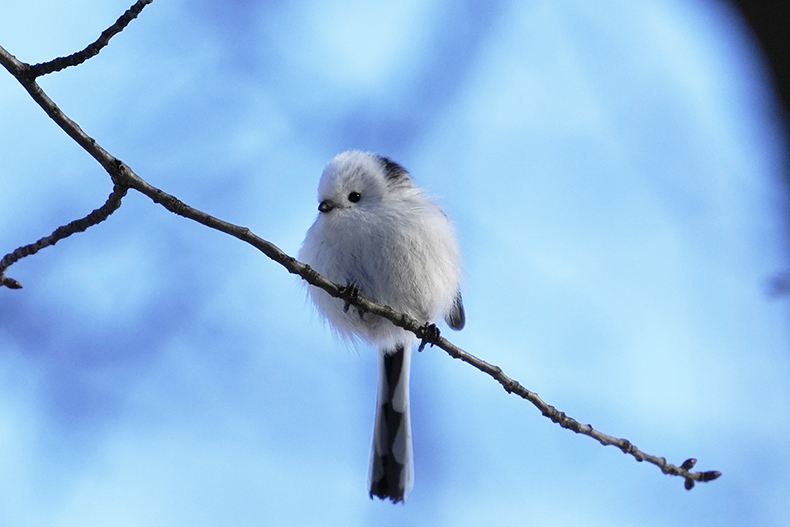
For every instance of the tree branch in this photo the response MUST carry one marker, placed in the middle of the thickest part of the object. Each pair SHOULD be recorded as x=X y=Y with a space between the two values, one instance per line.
x=124 y=178
x=93 y=49
x=97 y=216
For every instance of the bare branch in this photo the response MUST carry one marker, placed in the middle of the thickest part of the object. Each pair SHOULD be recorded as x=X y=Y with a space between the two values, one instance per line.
x=352 y=297
x=9 y=283
x=124 y=178
x=93 y=49
x=565 y=421
x=97 y=216
x=21 y=71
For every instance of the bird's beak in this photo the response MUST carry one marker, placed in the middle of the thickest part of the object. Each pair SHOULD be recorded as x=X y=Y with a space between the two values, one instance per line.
x=326 y=205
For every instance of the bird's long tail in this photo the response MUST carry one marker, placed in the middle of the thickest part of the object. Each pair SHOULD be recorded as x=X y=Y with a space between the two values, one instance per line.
x=392 y=461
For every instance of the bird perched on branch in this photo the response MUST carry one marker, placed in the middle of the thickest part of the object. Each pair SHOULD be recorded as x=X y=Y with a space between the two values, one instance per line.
x=380 y=234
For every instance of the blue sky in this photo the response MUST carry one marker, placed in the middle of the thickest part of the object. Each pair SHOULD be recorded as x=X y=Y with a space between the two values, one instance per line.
x=615 y=172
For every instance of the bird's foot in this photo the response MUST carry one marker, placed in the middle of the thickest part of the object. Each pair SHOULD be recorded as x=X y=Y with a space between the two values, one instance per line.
x=429 y=334
x=350 y=294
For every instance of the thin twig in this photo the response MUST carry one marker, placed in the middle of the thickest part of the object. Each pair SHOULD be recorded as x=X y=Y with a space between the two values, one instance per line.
x=565 y=421
x=124 y=177
x=93 y=49
x=95 y=217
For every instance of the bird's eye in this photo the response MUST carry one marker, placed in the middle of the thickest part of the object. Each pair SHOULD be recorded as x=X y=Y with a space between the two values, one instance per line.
x=354 y=197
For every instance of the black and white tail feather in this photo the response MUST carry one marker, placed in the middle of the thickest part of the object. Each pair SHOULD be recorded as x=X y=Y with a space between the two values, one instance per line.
x=391 y=458
x=379 y=231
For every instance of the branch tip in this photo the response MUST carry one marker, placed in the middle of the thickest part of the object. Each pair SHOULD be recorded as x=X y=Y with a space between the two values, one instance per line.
x=10 y=283
x=710 y=475
x=689 y=464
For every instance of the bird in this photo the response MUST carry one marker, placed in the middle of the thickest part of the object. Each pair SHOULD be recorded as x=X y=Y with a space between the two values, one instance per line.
x=380 y=234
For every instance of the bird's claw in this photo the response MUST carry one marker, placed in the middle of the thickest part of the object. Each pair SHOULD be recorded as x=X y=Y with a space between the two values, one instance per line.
x=350 y=293
x=430 y=335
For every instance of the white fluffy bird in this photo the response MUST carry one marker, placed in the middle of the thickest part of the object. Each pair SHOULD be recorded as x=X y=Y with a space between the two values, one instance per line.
x=379 y=232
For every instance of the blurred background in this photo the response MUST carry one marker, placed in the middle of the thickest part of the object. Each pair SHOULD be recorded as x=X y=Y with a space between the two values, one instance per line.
x=617 y=172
